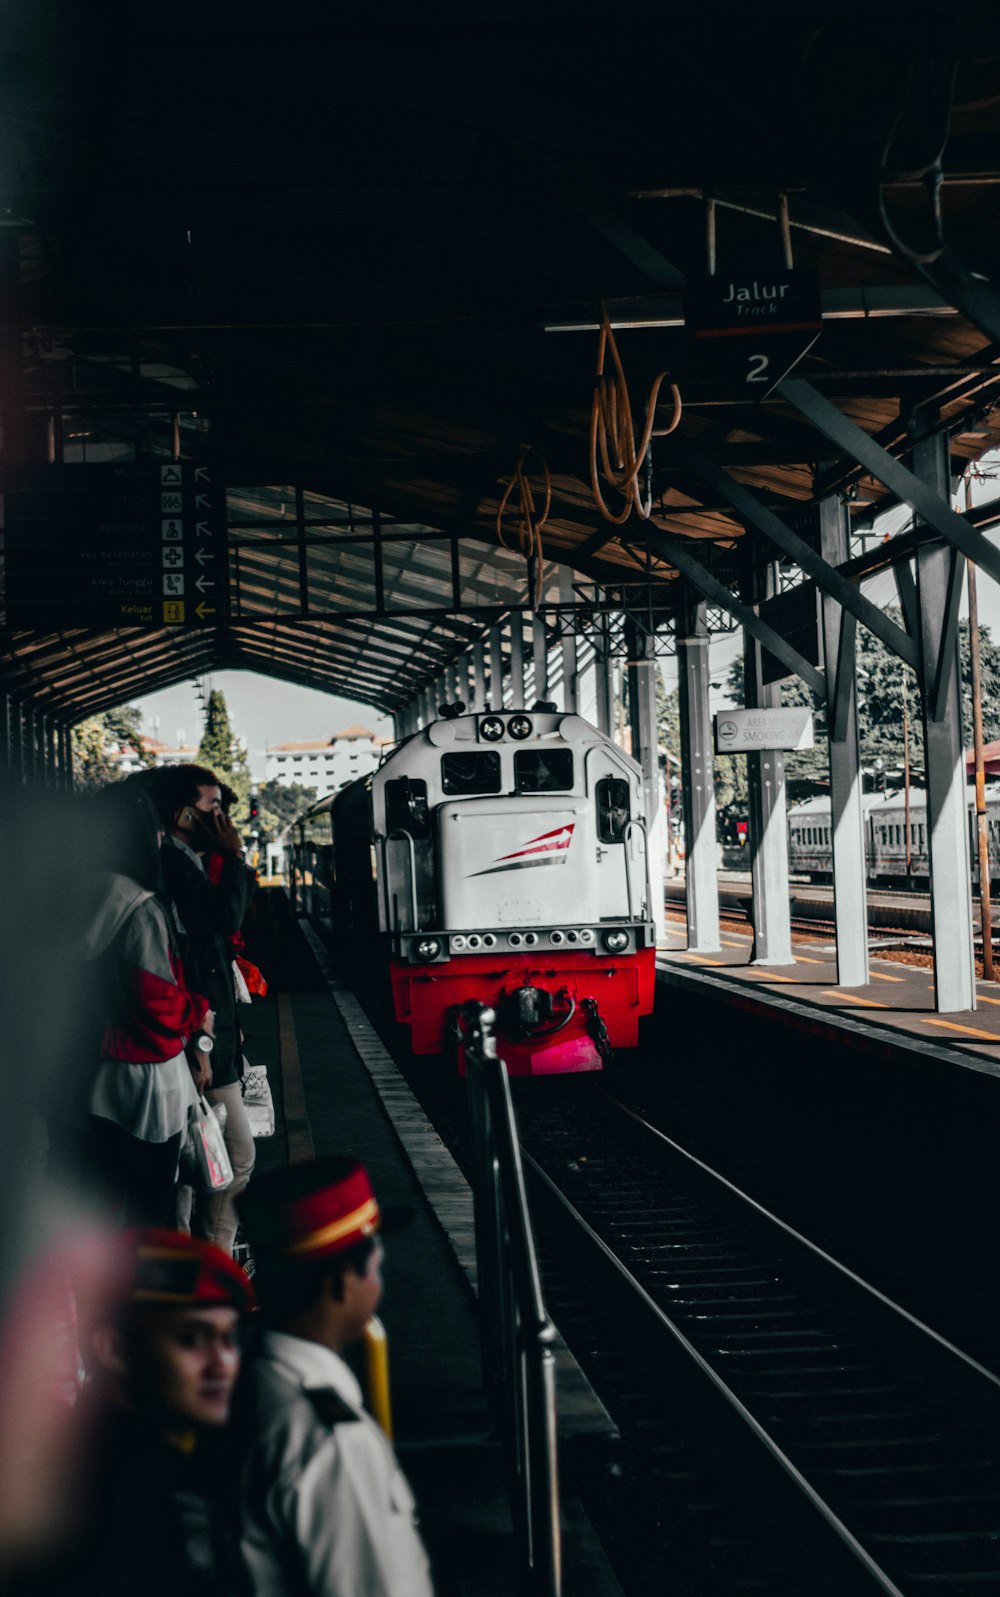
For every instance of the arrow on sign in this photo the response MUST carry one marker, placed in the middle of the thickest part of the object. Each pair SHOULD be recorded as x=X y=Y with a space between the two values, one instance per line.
x=202 y=529
x=202 y=502
x=201 y=555
x=202 y=474
x=201 y=583
x=202 y=610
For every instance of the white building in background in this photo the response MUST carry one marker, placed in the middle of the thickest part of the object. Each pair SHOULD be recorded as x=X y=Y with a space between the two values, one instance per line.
x=127 y=760
x=327 y=763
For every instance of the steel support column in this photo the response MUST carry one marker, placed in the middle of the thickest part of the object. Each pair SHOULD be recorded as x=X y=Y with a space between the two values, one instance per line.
x=940 y=577
x=645 y=751
x=460 y=676
x=570 y=685
x=517 y=660
x=479 y=676
x=772 y=944
x=701 y=865
x=496 y=670
x=604 y=678
x=540 y=657
x=847 y=826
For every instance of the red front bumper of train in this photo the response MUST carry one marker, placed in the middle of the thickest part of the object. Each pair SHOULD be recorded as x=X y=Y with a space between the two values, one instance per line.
x=425 y=998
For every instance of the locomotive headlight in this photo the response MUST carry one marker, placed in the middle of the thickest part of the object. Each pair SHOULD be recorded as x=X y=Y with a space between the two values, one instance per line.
x=491 y=728
x=519 y=726
x=427 y=948
x=614 y=942
x=457 y=944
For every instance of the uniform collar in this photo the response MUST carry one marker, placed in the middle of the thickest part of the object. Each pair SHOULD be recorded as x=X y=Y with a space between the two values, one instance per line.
x=311 y=1365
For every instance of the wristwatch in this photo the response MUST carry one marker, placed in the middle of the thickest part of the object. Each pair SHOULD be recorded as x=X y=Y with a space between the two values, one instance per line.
x=204 y=1043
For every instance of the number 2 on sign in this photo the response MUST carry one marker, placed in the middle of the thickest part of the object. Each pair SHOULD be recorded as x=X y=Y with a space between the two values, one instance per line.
x=758 y=369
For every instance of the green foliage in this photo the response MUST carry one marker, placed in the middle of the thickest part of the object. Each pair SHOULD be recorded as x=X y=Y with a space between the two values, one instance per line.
x=220 y=750
x=883 y=684
x=280 y=804
x=97 y=740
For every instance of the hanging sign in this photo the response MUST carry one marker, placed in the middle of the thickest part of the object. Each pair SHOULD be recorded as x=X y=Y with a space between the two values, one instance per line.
x=101 y=546
x=747 y=731
x=752 y=327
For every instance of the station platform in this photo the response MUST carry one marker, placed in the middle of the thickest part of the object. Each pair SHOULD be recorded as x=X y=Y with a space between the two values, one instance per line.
x=893 y=1012
x=336 y=1089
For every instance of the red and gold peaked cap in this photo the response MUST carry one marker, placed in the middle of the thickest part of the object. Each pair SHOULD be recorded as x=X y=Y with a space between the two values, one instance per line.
x=310 y=1211
x=172 y=1270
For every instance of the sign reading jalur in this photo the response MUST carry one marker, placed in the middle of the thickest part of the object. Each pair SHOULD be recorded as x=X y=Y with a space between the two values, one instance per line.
x=103 y=546
x=752 y=326
x=746 y=731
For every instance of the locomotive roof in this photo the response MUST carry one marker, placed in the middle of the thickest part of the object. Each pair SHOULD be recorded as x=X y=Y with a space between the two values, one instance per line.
x=377 y=302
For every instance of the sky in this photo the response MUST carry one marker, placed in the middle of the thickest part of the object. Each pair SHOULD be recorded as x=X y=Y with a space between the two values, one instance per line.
x=264 y=710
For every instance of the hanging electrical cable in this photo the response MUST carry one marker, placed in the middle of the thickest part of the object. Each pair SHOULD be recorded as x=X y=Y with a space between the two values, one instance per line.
x=613 y=452
x=529 y=522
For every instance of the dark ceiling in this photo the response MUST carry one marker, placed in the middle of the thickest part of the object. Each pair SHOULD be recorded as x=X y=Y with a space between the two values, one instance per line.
x=334 y=243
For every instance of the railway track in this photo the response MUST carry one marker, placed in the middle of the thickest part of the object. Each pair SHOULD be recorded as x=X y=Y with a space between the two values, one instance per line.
x=864 y=1449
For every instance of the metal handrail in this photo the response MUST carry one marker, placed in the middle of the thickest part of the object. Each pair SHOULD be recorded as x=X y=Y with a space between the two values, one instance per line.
x=647 y=906
x=394 y=836
x=518 y=1336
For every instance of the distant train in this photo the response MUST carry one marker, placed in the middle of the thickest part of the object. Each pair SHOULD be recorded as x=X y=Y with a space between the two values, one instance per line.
x=500 y=858
x=810 y=851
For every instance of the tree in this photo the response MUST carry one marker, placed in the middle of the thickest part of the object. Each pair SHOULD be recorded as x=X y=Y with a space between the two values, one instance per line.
x=224 y=754
x=97 y=740
x=280 y=804
x=883 y=679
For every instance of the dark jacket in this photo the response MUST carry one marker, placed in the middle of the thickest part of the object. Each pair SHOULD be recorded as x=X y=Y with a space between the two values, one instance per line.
x=149 y=1520
x=209 y=915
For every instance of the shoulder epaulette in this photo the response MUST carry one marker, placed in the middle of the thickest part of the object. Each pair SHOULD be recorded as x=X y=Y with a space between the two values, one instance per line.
x=330 y=1406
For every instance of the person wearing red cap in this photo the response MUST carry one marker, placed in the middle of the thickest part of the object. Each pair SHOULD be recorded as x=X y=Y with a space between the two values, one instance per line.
x=150 y=1510
x=327 y=1512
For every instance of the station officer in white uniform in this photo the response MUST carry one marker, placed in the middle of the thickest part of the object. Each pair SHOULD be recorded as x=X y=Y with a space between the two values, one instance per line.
x=327 y=1512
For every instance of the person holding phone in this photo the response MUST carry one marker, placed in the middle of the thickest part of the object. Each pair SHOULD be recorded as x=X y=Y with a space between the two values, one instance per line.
x=210 y=912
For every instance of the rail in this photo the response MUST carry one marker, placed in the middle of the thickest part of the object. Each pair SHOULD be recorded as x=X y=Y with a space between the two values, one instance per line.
x=518 y=1336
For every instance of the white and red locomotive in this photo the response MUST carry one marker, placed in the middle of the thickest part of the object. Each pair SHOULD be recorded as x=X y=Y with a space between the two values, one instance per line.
x=501 y=858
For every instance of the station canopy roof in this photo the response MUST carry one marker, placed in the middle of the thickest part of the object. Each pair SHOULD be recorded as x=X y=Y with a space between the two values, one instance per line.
x=362 y=257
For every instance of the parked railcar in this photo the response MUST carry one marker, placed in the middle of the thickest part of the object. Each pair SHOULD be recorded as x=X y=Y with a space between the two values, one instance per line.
x=810 y=851
x=500 y=858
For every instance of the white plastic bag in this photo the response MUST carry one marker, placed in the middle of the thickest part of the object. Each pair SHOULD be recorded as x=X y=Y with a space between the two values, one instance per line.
x=210 y=1163
x=257 y=1100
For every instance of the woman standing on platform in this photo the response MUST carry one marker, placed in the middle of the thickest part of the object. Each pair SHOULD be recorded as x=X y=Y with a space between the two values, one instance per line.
x=138 y=1104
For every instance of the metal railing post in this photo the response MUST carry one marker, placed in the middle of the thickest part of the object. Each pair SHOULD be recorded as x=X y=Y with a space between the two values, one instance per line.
x=518 y=1335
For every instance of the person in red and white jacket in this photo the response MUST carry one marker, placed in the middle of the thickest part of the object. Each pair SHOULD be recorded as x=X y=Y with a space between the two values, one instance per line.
x=142 y=1088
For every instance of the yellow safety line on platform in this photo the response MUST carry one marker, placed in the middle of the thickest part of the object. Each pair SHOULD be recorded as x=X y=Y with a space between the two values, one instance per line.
x=984 y=998
x=804 y=959
x=297 y=1128
x=742 y=944
x=967 y=1031
x=852 y=998
x=878 y=975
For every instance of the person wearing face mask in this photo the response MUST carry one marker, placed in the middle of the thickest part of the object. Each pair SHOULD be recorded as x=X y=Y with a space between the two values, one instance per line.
x=211 y=885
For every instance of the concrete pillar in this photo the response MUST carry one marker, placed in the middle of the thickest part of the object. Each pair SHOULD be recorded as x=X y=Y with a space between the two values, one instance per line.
x=540 y=657
x=516 y=660
x=67 y=735
x=645 y=751
x=847 y=825
x=495 y=669
x=768 y=810
x=701 y=867
x=940 y=579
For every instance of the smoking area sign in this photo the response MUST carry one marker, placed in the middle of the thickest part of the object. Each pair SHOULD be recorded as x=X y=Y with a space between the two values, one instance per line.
x=748 y=731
